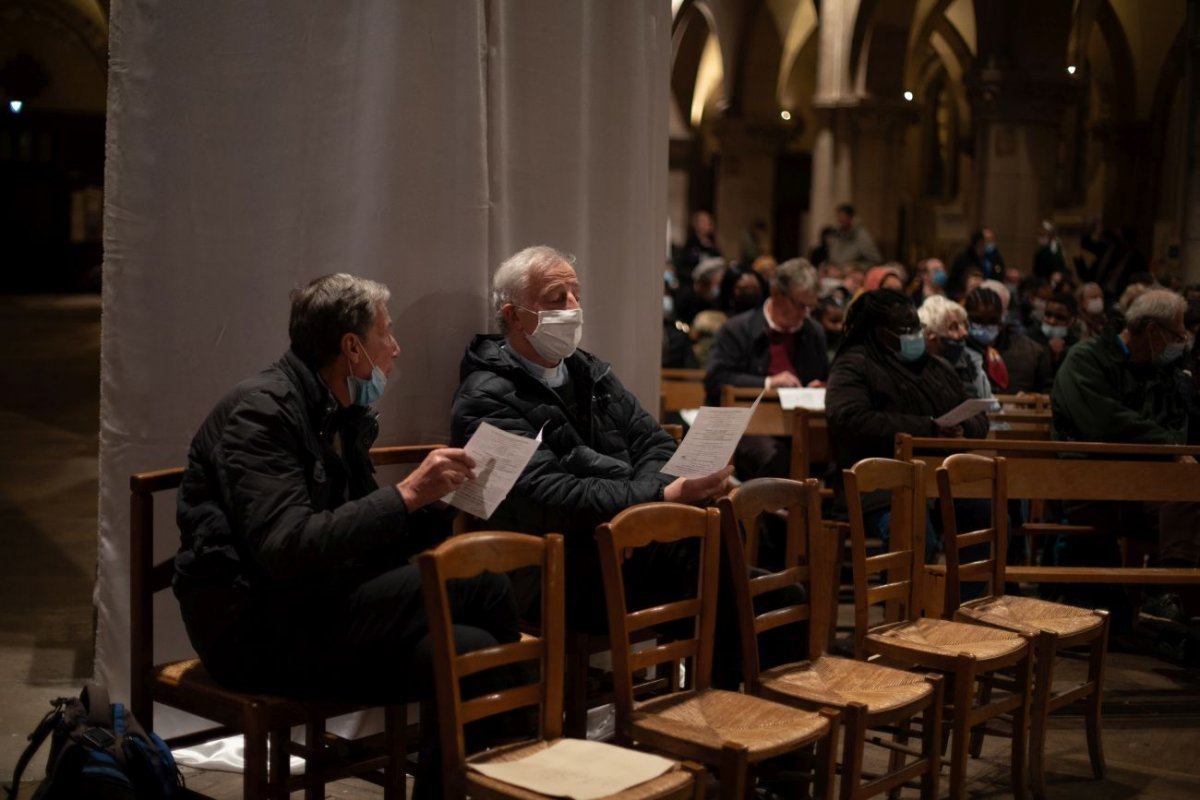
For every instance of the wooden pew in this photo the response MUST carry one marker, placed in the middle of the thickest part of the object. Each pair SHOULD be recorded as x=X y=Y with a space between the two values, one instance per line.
x=1036 y=472
x=1026 y=401
x=680 y=389
x=807 y=429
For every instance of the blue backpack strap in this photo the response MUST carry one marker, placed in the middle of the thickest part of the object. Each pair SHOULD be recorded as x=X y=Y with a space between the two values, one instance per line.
x=36 y=739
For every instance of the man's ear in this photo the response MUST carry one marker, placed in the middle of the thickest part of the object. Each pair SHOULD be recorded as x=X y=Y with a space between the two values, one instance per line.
x=351 y=347
x=511 y=316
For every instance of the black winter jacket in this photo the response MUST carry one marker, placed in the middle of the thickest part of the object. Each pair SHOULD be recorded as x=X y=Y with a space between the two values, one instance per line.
x=595 y=460
x=872 y=396
x=272 y=517
x=741 y=353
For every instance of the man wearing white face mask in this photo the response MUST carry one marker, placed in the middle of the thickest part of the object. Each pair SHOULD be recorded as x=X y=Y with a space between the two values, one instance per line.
x=601 y=451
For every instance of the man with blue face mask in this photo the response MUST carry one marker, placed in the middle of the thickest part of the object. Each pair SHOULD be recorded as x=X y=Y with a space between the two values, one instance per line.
x=293 y=575
x=601 y=452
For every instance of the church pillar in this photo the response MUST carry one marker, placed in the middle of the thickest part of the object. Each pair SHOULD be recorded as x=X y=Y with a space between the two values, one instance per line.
x=1190 y=257
x=745 y=177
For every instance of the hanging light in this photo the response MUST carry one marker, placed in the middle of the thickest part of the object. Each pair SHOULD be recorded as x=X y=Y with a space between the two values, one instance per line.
x=16 y=106
x=785 y=115
x=1071 y=70
x=908 y=96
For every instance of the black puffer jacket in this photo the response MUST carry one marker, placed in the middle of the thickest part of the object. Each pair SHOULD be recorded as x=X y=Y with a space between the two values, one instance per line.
x=741 y=353
x=595 y=460
x=273 y=517
x=873 y=395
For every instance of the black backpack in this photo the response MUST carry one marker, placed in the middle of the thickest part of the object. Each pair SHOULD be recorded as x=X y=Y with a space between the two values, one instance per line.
x=99 y=751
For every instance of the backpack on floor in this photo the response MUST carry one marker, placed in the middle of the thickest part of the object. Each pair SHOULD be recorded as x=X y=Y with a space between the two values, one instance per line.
x=98 y=751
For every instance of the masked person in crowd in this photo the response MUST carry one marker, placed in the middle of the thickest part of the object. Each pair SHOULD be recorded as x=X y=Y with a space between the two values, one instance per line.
x=741 y=290
x=883 y=383
x=600 y=453
x=945 y=324
x=1059 y=329
x=1089 y=302
x=293 y=575
x=1012 y=361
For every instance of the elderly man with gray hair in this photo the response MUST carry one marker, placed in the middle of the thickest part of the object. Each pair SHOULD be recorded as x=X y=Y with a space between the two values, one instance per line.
x=601 y=452
x=1123 y=385
x=776 y=344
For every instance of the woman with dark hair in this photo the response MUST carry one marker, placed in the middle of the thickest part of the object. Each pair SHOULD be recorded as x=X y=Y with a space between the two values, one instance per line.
x=1013 y=362
x=883 y=383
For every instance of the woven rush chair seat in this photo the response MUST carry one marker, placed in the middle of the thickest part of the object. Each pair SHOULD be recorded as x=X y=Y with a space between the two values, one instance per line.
x=1016 y=613
x=713 y=719
x=939 y=637
x=838 y=682
x=669 y=784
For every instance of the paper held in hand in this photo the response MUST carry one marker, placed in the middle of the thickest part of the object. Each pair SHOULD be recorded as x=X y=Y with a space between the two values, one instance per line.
x=963 y=411
x=710 y=441
x=810 y=399
x=578 y=769
x=500 y=457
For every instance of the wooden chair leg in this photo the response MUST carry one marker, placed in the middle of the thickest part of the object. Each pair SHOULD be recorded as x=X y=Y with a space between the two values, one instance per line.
x=1092 y=713
x=395 y=776
x=826 y=758
x=897 y=758
x=964 y=690
x=314 y=789
x=1039 y=710
x=931 y=735
x=978 y=732
x=279 y=770
x=855 y=724
x=575 y=701
x=254 y=774
x=1020 y=726
x=733 y=772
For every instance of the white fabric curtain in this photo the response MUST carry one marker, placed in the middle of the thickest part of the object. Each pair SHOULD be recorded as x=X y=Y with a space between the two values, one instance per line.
x=252 y=146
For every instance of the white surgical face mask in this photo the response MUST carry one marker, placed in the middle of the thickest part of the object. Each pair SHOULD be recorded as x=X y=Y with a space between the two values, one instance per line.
x=557 y=333
x=1095 y=305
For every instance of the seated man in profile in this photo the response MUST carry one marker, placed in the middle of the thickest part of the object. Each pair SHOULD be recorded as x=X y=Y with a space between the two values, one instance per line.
x=774 y=345
x=1124 y=386
x=293 y=574
x=601 y=452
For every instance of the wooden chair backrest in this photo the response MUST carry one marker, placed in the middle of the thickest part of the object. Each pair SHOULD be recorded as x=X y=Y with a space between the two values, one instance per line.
x=741 y=513
x=467 y=556
x=637 y=527
x=681 y=388
x=965 y=468
x=1036 y=472
x=807 y=429
x=902 y=564
x=147 y=577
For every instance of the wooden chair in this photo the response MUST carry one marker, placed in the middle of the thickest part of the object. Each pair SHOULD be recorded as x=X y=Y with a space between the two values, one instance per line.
x=469 y=555
x=1026 y=401
x=969 y=656
x=185 y=684
x=868 y=696
x=724 y=729
x=1053 y=626
x=807 y=430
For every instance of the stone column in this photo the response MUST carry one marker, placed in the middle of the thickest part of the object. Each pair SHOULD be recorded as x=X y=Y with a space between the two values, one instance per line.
x=1017 y=116
x=831 y=158
x=880 y=183
x=1190 y=208
x=746 y=177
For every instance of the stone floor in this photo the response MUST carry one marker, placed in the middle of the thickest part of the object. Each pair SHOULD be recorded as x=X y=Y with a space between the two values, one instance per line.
x=49 y=351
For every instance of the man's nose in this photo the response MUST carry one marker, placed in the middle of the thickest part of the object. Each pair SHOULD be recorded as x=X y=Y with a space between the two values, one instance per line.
x=572 y=300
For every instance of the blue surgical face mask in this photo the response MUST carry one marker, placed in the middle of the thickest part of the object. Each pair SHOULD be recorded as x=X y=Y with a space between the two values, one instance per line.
x=984 y=334
x=912 y=346
x=364 y=391
x=940 y=277
x=1172 y=352
x=952 y=349
x=1054 y=331
x=989 y=248
x=668 y=305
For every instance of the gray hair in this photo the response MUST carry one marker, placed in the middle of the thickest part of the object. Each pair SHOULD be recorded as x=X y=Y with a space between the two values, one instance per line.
x=937 y=312
x=795 y=275
x=511 y=282
x=1156 y=305
x=328 y=308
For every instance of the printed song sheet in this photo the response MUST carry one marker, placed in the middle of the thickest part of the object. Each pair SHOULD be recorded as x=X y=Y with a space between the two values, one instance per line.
x=578 y=769
x=810 y=399
x=710 y=441
x=500 y=457
x=963 y=411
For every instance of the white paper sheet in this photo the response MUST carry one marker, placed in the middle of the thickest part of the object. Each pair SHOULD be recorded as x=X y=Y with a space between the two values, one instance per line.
x=579 y=769
x=963 y=411
x=811 y=399
x=710 y=441
x=500 y=457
